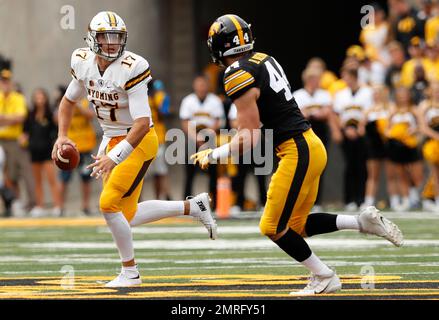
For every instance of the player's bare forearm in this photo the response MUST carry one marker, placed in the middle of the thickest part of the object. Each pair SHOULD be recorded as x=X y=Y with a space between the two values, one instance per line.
x=248 y=122
x=65 y=114
x=139 y=129
x=244 y=141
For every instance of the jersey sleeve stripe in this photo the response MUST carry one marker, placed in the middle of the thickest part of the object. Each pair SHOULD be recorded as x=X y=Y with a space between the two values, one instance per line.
x=233 y=76
x=73 y=73
x=238 y=81
x=137 y=79
x=242 y=85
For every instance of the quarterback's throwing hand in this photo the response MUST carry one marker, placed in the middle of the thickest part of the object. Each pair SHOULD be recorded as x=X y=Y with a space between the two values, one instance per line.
x=202 y=158
x=102 y=165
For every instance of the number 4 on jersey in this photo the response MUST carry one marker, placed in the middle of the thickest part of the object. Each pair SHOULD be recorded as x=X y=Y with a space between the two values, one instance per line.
x=278 y=82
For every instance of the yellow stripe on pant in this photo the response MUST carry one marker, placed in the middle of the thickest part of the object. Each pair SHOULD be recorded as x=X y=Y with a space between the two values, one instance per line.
x=121 y=190
x=294 y=186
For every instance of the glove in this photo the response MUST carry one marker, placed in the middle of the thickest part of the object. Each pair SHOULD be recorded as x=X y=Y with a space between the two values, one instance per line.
x=202 y=158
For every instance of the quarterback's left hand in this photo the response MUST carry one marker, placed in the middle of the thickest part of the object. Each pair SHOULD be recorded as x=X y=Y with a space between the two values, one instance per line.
x=202 y=158
x=101 y=166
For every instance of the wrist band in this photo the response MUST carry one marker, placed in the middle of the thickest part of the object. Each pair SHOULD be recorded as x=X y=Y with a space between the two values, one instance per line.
x=222 y=152
x=120 y=152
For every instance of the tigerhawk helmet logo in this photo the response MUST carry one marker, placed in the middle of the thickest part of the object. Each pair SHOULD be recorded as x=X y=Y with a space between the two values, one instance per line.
x=214 y=28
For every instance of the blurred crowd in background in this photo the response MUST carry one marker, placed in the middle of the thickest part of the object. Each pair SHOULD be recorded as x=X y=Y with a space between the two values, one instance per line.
x=381 y=109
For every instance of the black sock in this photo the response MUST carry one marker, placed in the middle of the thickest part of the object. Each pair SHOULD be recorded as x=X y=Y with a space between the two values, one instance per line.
x=319 y=223
x=294 y=245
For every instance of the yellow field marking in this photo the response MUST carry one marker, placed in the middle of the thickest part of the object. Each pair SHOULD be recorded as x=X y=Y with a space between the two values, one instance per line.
x=86 y=287
x=72 y=222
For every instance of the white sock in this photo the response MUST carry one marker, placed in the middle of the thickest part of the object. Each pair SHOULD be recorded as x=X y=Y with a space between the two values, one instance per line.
x=316 y=266
x=369 y=201
x=414 y=195
x=394 y=201
x=152 y=210
x=122 y=236
x=347 y=222
x=437 y=201
x=131 y=272
x=405 y=203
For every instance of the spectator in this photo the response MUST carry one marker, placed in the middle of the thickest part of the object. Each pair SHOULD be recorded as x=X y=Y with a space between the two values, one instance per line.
x=376 y=122
x=432 y=23
x=370 y=72
x=427 y=9
x=419 y=86
x=428 y=119
x=417 y=54
x=432 y=55
x=13 y=112
x=315 y=104
x=406 y=24
x=82 y=133
x=397 y=60
x=374 y=37
x=159 y=101
x=5 y=192
x=201 y=110
x=39 y=133
x=402 y=146
x=351 y=63
x=350 y=105
x=328 y=77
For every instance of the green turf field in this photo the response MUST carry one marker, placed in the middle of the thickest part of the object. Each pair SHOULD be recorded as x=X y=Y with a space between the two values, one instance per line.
x=73 y=258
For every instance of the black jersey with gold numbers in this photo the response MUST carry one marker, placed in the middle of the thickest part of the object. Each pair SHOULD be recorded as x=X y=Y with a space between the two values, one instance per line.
x=278 y=109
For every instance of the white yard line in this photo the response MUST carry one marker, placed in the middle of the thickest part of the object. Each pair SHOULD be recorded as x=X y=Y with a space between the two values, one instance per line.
x=191 y=230
x=225 y=244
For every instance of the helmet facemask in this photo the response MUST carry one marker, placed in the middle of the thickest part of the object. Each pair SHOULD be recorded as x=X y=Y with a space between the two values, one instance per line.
x=104 y=43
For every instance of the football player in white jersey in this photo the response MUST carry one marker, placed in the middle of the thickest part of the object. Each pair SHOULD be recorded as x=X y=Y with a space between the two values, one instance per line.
x=115 y=82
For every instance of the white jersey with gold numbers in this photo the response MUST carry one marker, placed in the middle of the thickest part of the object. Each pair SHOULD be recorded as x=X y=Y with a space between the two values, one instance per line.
x=109 y=92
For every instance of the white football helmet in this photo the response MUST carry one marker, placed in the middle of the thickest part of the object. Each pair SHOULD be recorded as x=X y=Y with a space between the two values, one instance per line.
x=107 y=29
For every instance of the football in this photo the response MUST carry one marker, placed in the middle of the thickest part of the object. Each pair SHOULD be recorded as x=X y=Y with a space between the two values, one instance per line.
x=67 y=158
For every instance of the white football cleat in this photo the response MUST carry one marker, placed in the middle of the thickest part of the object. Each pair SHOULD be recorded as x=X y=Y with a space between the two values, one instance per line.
x=122 y=281
x=372 y=222
x=203 y=213
x=320 y=285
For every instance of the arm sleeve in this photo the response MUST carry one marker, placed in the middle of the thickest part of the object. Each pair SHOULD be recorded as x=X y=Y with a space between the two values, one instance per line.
x=138 y=102
x=139 y=77
x=75 y=91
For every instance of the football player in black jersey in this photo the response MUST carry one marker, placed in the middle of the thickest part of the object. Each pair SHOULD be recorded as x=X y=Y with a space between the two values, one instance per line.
x=260 y=90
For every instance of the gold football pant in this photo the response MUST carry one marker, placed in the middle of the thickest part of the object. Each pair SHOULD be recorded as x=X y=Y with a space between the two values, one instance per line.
x=294 y=186
x=122 y=187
